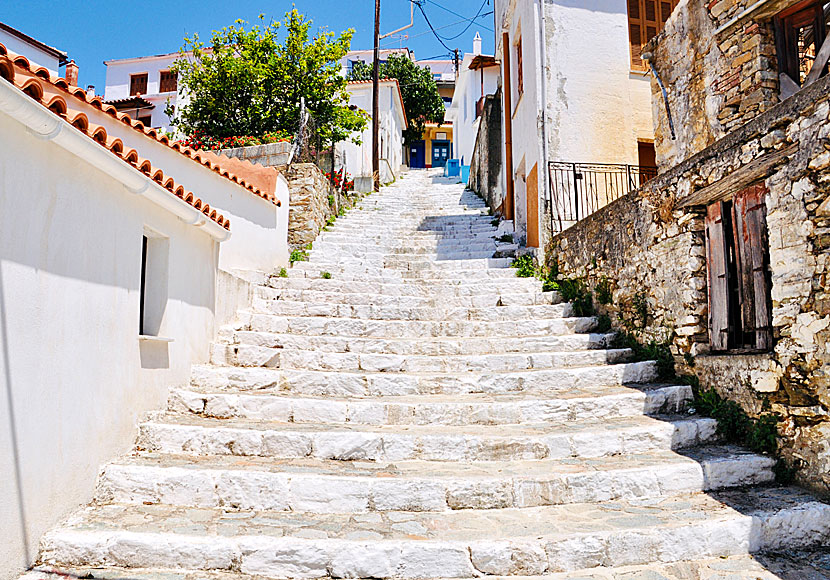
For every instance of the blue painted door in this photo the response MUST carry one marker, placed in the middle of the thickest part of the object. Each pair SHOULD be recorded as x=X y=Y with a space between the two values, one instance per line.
x=440 y=153
x=417 y=157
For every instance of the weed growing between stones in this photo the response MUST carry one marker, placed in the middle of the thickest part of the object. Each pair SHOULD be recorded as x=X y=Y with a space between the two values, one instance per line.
x=298 y=255
x=331 y=200
x=283 y=273
x=658 y=351
x=506 y=239
x=494 y=223
x=603 y=291
x=325 y=275
x=575 y=291
x=734 y=425
x=524 y=266
x=603 y=323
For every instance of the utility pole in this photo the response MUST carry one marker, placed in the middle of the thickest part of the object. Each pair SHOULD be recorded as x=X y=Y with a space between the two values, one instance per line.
x=375 y=99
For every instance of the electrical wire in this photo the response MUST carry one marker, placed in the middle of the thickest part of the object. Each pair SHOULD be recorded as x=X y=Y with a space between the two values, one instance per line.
x=408 y=37
x=472 y=21
x=431 y=27
x=455 y=13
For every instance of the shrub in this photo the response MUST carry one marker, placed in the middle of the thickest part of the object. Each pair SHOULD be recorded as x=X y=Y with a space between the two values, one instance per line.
x=524 y=266
x=298 y=256
x=735 y=426
x=283 y=273
x=573 y=290
x=325 y=275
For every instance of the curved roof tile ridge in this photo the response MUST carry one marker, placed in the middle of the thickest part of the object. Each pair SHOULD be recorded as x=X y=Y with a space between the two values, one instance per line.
x=58 y=106
x=96 y=101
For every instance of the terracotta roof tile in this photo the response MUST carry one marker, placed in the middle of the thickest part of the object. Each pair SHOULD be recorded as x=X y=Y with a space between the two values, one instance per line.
x=16 y=70
x=96 y=101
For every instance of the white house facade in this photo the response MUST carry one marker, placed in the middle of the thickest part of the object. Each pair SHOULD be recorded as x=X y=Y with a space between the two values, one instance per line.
x=357 y=158
x=115 y=245
x=478 y=77
x=35 y=51
x=573 y=91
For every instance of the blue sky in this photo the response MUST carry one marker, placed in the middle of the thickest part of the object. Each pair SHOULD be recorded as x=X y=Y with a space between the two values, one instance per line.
x=92 y=31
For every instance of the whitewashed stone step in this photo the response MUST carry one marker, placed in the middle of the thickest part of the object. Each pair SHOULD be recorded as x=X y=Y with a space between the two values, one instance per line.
x=188 y=435
x=380 y=384
x=391 y=276
x=488 y=289
x=319 y=296
x=791 y=566
x=453 y=544
x=321 y=326
x=422 y=314
x=430 y=347
x=475 y=409
x=312 y=486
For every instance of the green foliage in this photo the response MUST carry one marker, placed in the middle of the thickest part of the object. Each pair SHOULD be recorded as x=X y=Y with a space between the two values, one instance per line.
x=603 y=323
x=298 y=256
x=735 y=426
x=575 y=291
x=506 y=239
x=524 y=266
x=653 y=350
x=325 y=275
x=421 y=99
x=549 y=282
x=495 y=222
x=331 y=200
x=640 y=306
x=784 y=474
x=603 y=291
x=246 y=82
x=283 y=273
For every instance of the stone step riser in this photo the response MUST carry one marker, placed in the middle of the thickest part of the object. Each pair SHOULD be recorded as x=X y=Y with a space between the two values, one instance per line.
x=389 y=276
x=290 y=557
x=333 y=384
x=417 y=262
x=443 y=347
x=402 y=446
x=256 y=356
x=435 y=301
x=310 y=493
x=489 y=289
x=377 y=412
x=371 y=312
x=322 y=326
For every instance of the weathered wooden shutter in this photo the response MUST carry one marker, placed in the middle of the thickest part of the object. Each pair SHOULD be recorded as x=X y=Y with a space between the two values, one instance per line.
x=750 y=230
x=718 y=283
x=645 y=19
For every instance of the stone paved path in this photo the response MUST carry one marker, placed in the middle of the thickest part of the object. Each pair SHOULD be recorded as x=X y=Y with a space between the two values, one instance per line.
x=425 y=413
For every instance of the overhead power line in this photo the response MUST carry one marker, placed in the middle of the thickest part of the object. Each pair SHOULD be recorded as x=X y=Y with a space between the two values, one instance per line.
x=470 y=23
x=456 y=14
x=431 y=27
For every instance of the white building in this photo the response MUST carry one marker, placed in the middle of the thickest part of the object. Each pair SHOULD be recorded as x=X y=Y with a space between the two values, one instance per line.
x=368 y=57
x=35 y=51
x=574 y=91
x=357 y=159
x=114 y=249
x=142 y=87
x=478 y=76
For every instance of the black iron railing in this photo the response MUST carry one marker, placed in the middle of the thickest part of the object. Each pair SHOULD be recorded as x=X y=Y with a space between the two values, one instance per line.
x=579 y=189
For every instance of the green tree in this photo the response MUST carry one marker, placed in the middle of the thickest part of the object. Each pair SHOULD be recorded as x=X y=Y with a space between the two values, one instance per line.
x=420 y=93
x=247 y=82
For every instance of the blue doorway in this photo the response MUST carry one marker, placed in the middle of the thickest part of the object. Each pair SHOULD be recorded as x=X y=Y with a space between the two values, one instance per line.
x=440 y=153
x=417 y=156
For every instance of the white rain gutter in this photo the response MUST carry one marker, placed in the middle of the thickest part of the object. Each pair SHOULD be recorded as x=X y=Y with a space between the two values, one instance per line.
x=44 y=124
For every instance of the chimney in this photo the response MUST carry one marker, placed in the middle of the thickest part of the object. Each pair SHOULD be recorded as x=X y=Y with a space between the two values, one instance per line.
x=90 y=90
x=477 y=44
x=72 y=73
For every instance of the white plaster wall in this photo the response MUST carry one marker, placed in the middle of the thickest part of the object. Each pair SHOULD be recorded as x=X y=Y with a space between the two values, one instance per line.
x=597 y=108
x=259 y=238
x=74 y=377
x=34 y=54
x=358 y=157
x=463 y=109
x=118 y=83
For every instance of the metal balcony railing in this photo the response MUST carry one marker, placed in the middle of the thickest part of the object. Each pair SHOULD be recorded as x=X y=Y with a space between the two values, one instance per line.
x=579 y=189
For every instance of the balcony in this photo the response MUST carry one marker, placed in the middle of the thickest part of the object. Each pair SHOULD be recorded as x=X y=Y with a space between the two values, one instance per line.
x=579 y=189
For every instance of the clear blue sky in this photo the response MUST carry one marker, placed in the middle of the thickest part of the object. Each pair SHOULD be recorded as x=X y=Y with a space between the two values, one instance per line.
x=92 y=31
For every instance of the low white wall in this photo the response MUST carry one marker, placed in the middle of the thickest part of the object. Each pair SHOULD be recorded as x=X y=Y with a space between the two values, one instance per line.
x=73 y=374
x=259 y=240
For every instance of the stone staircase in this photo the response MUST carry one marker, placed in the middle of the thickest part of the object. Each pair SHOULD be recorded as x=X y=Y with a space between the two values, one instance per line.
x=425 y=413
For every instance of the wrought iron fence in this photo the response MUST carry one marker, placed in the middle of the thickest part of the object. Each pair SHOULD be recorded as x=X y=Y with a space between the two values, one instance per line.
x=579 y=189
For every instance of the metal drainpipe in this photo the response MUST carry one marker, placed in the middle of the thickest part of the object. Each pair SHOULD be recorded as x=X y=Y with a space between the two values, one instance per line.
x=646 y=56
x=543 y=55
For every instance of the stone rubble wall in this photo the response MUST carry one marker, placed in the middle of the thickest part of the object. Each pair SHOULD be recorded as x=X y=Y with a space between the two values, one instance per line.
x=269 y=155
x=647 y=246
x=486 y=165
x=716 y=82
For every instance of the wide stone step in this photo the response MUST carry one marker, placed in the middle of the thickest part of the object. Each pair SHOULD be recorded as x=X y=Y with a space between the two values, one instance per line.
x=421 y=346
x=476 y=409
x=315 y=486
x=380 y=384
x=419 y=313
x=452 y=544
x=247 y=355
x=790 y=566
x=317 y=295
x=490 y=288
x=436 y=277
x=407 y=263
x=322 y=326
x=189 y=435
